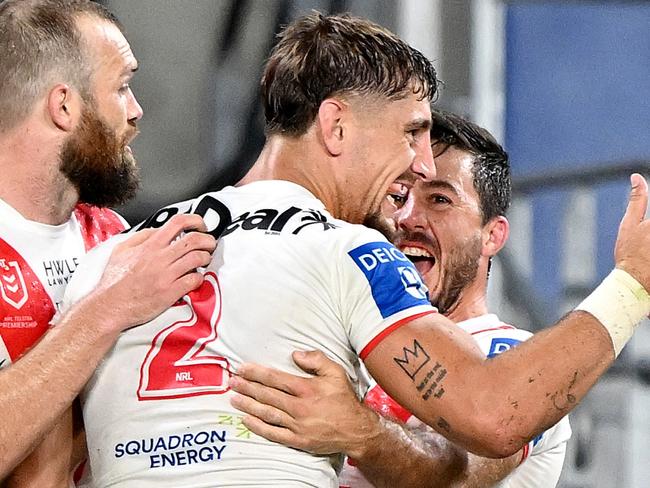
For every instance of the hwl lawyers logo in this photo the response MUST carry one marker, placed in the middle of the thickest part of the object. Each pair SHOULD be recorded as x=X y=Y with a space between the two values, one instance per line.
x=12 y=284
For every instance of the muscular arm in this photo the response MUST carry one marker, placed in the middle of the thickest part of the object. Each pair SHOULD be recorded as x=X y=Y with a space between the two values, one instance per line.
x=420 y=457
x=491 y=407
x=145 y=275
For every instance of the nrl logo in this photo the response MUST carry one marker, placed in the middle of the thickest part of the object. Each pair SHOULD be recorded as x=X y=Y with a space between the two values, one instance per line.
x=413 y=360
x=12 y=284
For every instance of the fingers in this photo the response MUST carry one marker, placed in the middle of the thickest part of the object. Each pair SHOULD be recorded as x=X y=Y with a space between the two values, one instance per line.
x=137 y=238
x=193 y=241
x=266 y=413
x=638 y=203
x=272 y=378
x=270 y=432
x=183 y=285
x=190 y=262
x=177 y=224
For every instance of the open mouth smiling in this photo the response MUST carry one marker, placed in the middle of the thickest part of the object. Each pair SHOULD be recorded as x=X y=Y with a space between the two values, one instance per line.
x=420 y=257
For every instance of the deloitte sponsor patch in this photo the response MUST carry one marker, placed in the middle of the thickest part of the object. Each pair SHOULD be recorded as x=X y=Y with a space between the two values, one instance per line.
x=501 y=344
x=394 y=281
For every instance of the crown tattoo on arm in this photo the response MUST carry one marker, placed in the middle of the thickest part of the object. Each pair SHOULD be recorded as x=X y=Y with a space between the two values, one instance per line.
x=413 y=360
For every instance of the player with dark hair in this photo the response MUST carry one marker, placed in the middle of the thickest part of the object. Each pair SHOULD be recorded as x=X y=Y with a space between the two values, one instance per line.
x=450 y=227
x=67 y=115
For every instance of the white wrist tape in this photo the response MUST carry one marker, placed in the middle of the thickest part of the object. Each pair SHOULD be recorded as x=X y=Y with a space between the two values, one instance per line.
x=620 y=303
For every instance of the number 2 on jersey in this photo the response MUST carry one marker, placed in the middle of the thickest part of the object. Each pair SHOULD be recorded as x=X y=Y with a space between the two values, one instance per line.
x=174 y=366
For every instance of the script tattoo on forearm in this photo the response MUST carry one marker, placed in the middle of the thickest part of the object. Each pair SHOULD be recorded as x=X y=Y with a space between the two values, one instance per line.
x=413 y=361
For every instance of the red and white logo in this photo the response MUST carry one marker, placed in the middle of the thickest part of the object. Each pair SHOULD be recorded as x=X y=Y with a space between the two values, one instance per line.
x=12 y=284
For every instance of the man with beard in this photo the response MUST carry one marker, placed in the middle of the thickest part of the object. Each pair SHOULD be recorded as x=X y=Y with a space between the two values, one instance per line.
x=450 y=227
x=347 y=108
x=67 y=115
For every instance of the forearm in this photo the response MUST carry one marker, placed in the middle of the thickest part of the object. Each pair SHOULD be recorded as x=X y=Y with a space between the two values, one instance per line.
x=401 y=457
x=50 y=465
x=38 y=388
x=534 y=385
x=418 y=458
x=491 y=407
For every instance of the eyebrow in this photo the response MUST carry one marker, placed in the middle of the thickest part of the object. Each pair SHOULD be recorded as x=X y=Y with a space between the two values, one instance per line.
x=441 y=185
x=129 y=71
x=419 y=124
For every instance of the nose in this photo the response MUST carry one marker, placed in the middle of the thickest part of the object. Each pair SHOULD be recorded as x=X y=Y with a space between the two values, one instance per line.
x=134 y=110
x=410 y=217
x=423 y=164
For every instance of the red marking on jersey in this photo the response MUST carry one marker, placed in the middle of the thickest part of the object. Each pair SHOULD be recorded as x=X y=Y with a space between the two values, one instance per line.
x=383 y=404
x=525 y=451
x=79 y=472
x=384 y=333
x=97 y=224
x=493 y=328
x=25 y=306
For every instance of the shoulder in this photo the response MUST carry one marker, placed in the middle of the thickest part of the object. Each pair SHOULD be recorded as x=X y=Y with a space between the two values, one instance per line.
x=98 y=224
x=90 y=269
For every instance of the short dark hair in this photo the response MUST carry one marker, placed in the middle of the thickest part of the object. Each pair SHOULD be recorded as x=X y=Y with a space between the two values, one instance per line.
x=40 y=44
x=491 y=169
x=319 y=56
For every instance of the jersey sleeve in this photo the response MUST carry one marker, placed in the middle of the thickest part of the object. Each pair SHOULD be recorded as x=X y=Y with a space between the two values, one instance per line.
x=380 y=289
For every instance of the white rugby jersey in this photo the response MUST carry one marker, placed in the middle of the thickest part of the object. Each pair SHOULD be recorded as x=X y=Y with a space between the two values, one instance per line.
x=285 y=276
x=36 y=264
x=542 y=458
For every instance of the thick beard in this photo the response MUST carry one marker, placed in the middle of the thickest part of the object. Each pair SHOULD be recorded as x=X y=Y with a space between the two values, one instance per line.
x=96 y=162
x=461 y=268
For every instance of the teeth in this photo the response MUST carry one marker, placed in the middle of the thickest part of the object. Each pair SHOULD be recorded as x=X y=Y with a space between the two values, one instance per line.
x=416 y=252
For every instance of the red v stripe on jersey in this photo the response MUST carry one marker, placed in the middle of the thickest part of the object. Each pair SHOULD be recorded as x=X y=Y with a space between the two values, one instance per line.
x=97 y=224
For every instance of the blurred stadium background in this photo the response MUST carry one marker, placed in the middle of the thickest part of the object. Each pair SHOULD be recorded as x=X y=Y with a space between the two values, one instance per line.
x=564 y=84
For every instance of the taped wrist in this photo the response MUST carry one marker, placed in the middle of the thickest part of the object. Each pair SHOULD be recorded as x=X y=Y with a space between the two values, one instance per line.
x=620 y=303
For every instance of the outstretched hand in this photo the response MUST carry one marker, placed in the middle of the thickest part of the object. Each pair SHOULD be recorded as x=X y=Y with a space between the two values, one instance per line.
x=319 y=414
x=632 y=251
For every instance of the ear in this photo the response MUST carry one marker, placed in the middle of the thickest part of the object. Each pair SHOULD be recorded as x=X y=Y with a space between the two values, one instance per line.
x=63 y=107
x=494 y=235
x=330 y=114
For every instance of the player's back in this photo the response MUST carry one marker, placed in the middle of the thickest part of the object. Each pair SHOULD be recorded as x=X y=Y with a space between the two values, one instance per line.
x=157 y=411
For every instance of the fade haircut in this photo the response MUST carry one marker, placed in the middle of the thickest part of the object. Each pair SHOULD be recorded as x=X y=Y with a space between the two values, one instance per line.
x=320 y=56
x=491 y=168
x=41 y=45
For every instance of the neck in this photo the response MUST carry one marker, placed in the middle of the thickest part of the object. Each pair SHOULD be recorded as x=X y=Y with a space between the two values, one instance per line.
x=32 y=183
x=472 y=301
x=300 y=160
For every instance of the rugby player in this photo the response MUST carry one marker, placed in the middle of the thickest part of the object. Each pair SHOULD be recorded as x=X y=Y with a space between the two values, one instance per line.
x=67 y=115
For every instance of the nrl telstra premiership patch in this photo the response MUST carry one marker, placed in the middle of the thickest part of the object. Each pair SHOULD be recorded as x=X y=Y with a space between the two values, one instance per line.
x=394 y=281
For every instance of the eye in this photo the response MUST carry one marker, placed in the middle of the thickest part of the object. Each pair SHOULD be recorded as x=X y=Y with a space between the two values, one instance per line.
x=440 y=199
x=397 y=194
x=397 y=200
x=124 y=88
x=413 y=134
